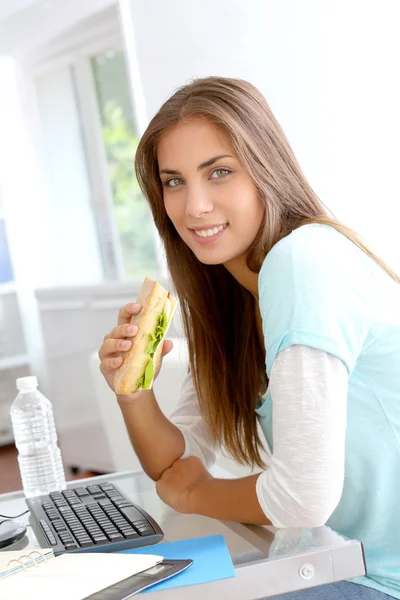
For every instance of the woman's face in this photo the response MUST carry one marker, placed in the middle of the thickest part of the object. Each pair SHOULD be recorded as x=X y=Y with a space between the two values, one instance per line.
x=208 y=194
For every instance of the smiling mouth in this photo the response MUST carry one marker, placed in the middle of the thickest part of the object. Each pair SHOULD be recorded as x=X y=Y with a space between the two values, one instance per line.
x=210 y=232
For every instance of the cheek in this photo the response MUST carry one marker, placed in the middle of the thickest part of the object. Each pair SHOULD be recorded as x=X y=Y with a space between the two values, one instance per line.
x=250 y=210
x=175 y=212
x=169 y=209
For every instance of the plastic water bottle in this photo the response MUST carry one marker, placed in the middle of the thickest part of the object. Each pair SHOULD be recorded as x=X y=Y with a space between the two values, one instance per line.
x=35 y=436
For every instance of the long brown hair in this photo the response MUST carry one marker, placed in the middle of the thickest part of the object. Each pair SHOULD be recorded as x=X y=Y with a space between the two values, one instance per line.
x=226 y=358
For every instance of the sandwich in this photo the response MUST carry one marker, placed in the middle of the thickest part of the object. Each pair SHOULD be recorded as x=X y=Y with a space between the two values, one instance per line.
x=141 y=361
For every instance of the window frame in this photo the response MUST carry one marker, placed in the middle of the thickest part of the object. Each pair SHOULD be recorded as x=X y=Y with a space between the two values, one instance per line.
x=75 y=51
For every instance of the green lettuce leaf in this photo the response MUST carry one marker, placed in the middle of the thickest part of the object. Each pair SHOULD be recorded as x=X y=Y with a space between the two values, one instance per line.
x=154 y=340
x=148 y=374
x=151 y=348
x=140 y=382
x=156 y=337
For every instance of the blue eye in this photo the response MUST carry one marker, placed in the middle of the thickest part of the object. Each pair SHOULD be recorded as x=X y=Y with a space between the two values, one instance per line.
x=220 y=173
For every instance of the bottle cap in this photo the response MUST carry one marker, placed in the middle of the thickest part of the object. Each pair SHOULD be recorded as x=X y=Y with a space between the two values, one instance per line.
x=27 y=383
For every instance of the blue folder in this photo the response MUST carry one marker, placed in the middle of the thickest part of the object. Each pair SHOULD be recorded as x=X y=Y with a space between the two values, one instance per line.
x=210 y=555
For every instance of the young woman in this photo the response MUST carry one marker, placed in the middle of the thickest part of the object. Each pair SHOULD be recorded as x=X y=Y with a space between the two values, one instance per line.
x=290 y=320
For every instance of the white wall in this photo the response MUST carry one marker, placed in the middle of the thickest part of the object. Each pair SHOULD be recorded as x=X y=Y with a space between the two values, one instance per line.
x=24 y=207
x=26 y=25
x=23 y=196
x=328 y=70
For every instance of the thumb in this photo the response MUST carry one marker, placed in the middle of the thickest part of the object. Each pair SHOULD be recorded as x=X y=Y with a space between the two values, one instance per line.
x=167 y=347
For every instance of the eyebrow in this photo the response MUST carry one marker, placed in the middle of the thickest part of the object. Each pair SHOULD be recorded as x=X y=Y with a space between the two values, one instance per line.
x=203 y=165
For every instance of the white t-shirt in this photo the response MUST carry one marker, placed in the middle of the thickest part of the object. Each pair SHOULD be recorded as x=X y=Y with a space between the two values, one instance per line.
x=309 y=392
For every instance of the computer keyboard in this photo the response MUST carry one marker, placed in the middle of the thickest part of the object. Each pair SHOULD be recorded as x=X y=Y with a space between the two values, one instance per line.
x=91 y=518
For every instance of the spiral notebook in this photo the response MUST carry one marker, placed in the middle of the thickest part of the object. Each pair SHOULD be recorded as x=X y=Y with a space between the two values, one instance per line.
x=39 y=575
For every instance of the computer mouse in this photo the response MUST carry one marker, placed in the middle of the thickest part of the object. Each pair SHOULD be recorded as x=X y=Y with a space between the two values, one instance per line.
x=11 y=532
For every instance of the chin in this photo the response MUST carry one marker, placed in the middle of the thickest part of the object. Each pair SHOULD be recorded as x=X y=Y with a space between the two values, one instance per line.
x=210 y=261
x=217 y=258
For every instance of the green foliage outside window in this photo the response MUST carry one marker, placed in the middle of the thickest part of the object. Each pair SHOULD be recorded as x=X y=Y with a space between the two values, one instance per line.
x=133 y=217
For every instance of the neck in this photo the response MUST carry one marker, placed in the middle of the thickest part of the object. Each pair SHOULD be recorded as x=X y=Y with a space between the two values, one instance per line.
x=243 y=275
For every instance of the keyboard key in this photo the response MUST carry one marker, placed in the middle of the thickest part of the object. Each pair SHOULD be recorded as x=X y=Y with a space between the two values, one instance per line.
x=70 y=546
x=85 y=544
x=95 y=531
x=113 y=514
x=107 y=487
x=142 y=526
x=72 y=521
x=110 y=528
x=130 y=535
x=132 y=514
x=145 y=530
x=122 y=524
x=125 y=528
x=123 y=503
x=114 y=536
x=99 y=538
x=111 y=510
x=45 y=526
x=82 y=537
x=81 y=491
x=54 y=495
x=105 y=502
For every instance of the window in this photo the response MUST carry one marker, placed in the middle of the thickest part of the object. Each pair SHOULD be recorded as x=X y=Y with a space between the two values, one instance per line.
x=132 y=214
x=72 y=235
x=89 y=138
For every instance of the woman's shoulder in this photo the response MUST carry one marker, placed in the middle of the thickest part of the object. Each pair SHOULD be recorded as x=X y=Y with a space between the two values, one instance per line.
x=310 y=246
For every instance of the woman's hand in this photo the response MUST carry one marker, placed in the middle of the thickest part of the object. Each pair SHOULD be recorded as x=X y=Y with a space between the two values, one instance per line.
x=120 y=340
x=180 y=483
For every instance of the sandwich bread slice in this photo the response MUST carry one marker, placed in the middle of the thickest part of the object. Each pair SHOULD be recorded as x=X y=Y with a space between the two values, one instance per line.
x=143 y=358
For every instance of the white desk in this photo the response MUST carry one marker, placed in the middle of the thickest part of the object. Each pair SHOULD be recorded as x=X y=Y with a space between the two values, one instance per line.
x=267 y=561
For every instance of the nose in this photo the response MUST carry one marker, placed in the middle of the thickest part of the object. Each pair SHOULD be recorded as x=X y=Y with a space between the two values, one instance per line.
x=198 y=202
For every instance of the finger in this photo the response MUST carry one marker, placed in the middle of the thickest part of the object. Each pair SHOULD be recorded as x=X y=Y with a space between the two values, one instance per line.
x=127 y=312
x=108 y=365
x=167 y=347
x=122 y=331
x=111 y=346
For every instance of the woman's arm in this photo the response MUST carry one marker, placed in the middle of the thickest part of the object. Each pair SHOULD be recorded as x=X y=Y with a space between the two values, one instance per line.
x=303 y=484
x=193 y=426
x=159 y=441
x=156 y=441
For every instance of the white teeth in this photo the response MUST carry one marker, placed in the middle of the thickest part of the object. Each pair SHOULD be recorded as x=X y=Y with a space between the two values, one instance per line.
x=209 y=232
